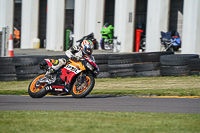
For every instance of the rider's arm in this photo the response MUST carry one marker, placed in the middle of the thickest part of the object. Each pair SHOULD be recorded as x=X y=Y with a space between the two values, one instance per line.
x=79 y=54
x=69 y=53
x=92 y=57
x=74 y=51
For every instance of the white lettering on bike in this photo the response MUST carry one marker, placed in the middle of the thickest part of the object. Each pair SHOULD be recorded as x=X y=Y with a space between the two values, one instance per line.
x=59 y=89
x=72 y=68
x=47 y=88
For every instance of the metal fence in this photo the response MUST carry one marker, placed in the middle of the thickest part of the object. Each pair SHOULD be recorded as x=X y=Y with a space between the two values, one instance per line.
x=0 y=41
x=4 y=35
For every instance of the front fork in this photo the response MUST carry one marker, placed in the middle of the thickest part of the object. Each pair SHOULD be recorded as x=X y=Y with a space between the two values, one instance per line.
x=80 y=79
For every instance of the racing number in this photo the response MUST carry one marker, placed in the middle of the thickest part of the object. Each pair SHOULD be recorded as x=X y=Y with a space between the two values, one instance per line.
x=47 y=88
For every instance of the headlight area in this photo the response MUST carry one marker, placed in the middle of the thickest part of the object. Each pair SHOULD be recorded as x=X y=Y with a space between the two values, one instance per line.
x=89 y=66
x=96 y=72
x=92 y=68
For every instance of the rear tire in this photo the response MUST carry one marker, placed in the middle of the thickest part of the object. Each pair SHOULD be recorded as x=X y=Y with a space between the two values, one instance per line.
x=143 y=44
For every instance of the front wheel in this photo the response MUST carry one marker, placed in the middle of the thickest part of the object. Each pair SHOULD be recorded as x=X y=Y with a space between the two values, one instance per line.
x=36 y=90
x=83 y=89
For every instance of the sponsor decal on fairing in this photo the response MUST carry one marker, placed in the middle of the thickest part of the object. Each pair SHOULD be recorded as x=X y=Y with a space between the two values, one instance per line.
x=72 y=69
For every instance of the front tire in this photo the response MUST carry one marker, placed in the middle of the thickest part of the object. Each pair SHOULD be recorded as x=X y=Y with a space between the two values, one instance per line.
x=80 y=91
x=35 y=90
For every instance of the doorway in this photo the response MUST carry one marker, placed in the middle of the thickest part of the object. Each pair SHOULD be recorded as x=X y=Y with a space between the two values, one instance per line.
x=140 y=25
x=17 y=23
x=141 y=15
x=69 y=23
x=176 y=16
x=109 y=12
x=42 y=22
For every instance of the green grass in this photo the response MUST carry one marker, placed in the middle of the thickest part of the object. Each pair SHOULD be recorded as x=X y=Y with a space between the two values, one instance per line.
x=160 y=86
x=151 y=92
x=97 y=122
x=108 y=122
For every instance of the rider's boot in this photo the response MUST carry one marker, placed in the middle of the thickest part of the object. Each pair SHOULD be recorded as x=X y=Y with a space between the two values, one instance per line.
x=49 y=72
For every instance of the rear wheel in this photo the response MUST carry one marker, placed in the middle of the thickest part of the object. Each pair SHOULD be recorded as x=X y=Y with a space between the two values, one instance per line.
x=36 y=90
x=143 y=45
x=83 y=89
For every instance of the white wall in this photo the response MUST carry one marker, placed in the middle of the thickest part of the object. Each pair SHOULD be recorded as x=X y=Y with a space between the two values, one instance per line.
x=157 y=21
x=191 y=27
x=6 y=14
x=124 y=29
x=55 y=25
x=79 y=19
x=29 y=28
x=95 y=18
x=88 y=18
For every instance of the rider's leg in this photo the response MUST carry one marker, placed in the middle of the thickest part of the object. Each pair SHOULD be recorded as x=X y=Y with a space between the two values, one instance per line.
x=56 y=65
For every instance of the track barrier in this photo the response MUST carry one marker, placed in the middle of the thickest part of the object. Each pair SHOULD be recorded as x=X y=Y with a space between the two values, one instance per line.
x=10 y=47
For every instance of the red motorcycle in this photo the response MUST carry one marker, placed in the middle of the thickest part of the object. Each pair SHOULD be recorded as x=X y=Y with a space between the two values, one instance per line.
x=75 y=78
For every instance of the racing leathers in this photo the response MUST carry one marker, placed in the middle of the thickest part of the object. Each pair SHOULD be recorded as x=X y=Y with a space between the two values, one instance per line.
x=75 y=53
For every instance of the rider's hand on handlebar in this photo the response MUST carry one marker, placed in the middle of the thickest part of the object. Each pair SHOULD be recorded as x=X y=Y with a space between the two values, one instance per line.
x=75 y=58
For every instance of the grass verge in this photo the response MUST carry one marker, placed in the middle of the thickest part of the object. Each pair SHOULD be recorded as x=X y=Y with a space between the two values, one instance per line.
x=160 y=86
x=97 y=122
x=112 y=122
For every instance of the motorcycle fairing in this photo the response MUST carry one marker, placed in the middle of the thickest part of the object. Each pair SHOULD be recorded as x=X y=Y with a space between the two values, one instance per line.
x=92 y=63
x=50 y=62
x=54 y=87
x=70 y=70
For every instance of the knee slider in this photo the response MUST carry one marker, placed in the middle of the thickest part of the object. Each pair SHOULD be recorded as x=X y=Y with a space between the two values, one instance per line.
x=56 y=62
x=62 y=61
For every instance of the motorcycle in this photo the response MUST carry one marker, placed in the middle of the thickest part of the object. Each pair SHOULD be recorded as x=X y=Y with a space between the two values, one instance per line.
x=76 y=78
x=107 y=37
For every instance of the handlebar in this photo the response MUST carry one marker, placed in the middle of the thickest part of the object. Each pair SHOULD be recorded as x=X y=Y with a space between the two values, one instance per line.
x=86 y=37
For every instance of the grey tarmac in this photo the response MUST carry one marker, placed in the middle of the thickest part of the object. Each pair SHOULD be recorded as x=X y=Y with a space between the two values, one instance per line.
x=101 y=103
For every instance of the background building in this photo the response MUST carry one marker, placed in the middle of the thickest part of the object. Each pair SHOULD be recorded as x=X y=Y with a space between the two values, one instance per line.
x=49 y=19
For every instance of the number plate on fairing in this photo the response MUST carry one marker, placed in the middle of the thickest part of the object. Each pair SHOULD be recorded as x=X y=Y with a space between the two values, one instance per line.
x=48 y=88
x=56 y=88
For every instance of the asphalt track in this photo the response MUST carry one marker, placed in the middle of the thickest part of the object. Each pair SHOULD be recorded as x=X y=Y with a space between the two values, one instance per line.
x=101 y=103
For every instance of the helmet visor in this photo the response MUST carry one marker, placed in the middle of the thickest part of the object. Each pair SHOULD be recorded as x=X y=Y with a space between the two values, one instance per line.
x=88 y=51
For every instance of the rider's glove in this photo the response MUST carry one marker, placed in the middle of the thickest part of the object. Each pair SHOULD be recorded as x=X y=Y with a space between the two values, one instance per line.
x=74 y=58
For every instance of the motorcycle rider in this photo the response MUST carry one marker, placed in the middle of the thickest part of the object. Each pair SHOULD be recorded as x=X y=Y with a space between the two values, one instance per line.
x=74 y=53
